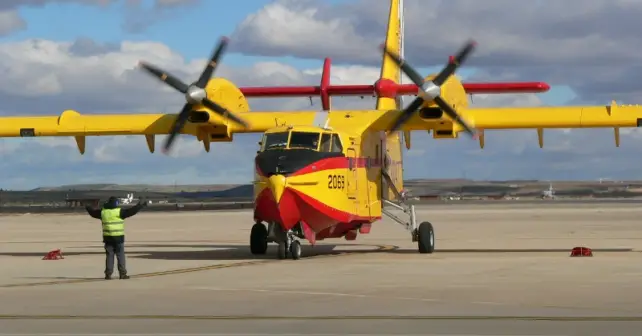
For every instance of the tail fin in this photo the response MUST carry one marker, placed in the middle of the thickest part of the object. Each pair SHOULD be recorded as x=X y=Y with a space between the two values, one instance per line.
x=394 y=42
x=391 y=144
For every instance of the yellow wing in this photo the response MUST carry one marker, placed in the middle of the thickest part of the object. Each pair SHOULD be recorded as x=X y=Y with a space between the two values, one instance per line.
x=72 y=123
x=540 y=118
x=557 y=117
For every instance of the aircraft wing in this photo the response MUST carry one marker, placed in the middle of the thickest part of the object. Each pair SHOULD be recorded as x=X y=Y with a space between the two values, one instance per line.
x=540 y=118
x=206 y=126
x=555 y=117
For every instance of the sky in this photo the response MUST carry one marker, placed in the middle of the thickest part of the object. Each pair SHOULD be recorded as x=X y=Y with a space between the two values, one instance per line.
x=81 y=54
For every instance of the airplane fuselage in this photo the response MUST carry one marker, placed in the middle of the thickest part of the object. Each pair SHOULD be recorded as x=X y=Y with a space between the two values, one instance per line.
x=306 y=188
x=305 y=180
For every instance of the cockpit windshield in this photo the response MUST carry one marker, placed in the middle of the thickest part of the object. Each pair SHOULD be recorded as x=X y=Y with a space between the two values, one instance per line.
x=302 y=140
x=275 y=140
x=307 y=140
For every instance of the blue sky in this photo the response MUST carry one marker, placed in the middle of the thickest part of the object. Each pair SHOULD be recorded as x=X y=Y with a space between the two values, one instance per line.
x=513 y=48
x=191 y=30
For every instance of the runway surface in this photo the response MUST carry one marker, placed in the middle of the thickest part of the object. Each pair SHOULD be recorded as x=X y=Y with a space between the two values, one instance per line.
x=498 y=270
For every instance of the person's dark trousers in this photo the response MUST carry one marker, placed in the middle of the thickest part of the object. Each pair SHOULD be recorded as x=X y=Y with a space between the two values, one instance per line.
x=118 y=249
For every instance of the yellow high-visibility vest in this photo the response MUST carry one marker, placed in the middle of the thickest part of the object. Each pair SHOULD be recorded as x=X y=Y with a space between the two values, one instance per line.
x=113 y=225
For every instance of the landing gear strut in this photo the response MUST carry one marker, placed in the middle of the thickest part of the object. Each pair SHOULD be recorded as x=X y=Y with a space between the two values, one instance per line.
x=423 y=234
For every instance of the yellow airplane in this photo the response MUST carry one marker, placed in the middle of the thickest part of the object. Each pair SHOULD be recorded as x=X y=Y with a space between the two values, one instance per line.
x=328 y=174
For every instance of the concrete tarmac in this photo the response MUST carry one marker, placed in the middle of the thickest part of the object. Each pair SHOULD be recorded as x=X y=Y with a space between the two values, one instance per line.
x=498 y=270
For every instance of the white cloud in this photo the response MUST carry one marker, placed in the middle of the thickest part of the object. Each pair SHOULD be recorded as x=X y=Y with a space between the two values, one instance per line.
x=588 y=44
x=533 y=32
x=10 y=22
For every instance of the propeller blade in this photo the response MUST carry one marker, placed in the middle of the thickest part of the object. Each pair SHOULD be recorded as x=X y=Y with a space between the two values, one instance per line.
x=211 y=66
x=180 y=121
x=454 y=115
x=432 y=90
x=164 y=76
x=414 y=76
x=406 y=114
x=195 y=94
x=223 y=112
x=454 y=63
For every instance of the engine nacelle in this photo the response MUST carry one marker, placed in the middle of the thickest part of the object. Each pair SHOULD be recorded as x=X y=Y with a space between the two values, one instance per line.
x=224 y=93
x=453 y=92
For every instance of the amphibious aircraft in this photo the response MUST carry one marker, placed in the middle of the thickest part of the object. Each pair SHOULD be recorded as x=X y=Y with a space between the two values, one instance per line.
x=330 y=173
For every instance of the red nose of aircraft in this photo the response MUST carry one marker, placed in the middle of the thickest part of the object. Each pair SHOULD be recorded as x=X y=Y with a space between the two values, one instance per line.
x=283 y=206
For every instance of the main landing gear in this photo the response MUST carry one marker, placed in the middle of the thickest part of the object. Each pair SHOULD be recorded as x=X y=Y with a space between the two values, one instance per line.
x=423 y=234
x=288 y=242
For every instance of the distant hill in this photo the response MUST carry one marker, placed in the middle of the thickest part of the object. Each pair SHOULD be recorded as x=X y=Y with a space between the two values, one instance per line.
x=140 y=187
x=245 y=190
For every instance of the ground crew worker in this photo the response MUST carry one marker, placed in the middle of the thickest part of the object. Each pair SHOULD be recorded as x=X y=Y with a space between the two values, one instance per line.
x=113 y=223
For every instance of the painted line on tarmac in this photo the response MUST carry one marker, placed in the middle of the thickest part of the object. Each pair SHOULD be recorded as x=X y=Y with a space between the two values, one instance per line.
x=252 y=334
x=335 y=317
x=379 y=248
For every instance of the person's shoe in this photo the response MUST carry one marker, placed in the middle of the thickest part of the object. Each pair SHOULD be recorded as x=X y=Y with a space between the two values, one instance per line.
x=124 y=277
x=107 y=276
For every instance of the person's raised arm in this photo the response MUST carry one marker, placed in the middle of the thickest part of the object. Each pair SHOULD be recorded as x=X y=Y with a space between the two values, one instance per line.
x=124 y=213
x=95 y=213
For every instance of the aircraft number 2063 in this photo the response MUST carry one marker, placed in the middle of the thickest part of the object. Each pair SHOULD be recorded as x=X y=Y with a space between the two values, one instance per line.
x=336 y=181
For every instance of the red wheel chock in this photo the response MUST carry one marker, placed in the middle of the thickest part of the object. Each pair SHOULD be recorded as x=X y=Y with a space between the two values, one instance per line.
x=581 y=252
x=53 y=255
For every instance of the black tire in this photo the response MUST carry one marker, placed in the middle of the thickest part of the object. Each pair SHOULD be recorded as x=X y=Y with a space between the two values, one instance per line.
x=281 y=251
x=426 y=238
x=258 y=239
x=295 y=250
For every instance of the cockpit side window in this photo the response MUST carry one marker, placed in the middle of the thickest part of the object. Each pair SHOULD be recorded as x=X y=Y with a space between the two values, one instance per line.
x=336 y=144
x=307 y=140
x=275 y=140
x=326 y=142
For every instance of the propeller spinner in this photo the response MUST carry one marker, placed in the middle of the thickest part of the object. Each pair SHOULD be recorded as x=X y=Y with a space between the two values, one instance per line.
x=431 y=90
x=195 y=93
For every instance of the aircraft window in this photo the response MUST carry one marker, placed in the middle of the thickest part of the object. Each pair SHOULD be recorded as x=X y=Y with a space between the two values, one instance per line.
x=325 y=142
x=275 y=140
x=336 y=144
x=306 y=140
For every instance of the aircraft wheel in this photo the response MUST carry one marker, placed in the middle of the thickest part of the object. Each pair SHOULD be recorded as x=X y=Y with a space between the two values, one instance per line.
x=426 y=238
x=281 y=251
x=295 y=250
x=258 y=239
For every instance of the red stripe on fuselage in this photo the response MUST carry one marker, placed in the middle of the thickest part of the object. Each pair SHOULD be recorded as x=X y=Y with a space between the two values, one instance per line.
x=337 y=163
x=295 y=207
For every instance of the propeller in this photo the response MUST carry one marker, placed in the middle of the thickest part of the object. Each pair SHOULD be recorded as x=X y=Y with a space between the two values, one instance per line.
x=195 y=93
x=431 y=90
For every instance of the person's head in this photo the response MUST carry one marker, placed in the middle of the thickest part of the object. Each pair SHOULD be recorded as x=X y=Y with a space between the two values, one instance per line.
x=112 y=202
